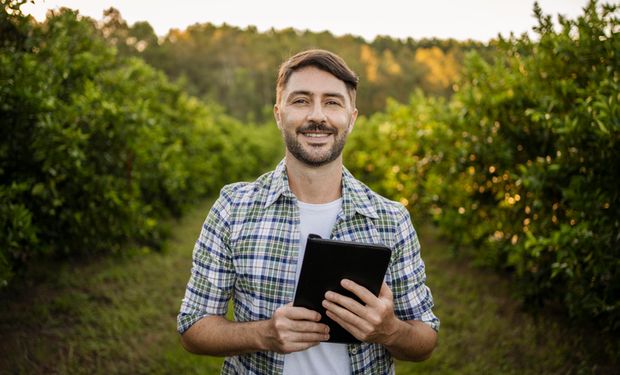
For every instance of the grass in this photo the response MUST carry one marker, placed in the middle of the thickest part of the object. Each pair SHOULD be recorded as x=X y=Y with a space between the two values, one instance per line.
x=110 y=315
x=118 y=315
x=484 y=329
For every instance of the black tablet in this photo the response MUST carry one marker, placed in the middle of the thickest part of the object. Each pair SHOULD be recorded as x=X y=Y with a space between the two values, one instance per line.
x=326 y=263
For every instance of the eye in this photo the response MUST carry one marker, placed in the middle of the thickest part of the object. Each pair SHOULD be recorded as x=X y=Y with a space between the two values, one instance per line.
x=333 y=102
x=299 y=101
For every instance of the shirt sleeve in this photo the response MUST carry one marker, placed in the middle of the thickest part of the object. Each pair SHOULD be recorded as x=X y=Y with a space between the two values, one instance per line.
x=412 y=298
x=212 y=274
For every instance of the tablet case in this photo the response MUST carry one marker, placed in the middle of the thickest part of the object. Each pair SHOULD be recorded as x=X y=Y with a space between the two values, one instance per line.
x=326 y=263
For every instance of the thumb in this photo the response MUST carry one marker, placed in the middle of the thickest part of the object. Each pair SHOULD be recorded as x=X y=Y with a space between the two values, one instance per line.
x=386 y=292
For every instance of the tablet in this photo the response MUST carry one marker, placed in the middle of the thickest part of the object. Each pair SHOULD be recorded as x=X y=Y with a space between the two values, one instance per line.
x=326 y=263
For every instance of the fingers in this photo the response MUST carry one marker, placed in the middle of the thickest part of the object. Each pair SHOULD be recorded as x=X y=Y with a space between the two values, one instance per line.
x=350 y=304
x=372 y=322
x=334 y=300
x=299 y=319
x=348 y=313
x=352 y=328
x=298 y=313
x=296 y=328
x=349 y=318
x=305 y=326
x=362 y=293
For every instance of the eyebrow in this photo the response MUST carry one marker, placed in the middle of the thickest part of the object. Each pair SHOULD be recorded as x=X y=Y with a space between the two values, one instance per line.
x=308 y=93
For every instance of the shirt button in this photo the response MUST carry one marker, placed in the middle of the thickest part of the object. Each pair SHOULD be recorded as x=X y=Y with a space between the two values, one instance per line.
x=354 y=350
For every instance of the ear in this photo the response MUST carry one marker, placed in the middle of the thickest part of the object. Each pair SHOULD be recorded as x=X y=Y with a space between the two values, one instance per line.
x=276 y=115
x=352 y=122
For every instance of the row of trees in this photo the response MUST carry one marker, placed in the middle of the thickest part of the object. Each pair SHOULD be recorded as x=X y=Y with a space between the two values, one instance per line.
x=521 y=163
x=237 y=67
x=96 y=148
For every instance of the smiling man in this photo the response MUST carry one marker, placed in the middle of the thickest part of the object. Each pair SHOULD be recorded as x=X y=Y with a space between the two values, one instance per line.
x=251 y=248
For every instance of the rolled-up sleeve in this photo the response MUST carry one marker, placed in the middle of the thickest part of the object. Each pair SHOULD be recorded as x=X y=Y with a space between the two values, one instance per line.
x=212 y=274
x=412 y=298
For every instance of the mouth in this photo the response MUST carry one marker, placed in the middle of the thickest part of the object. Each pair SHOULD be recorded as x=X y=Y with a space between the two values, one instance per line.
x=316 y=135
x=316 y=132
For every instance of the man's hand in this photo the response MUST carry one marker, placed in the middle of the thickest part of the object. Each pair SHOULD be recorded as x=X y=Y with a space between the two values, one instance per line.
x=410 y=340
x=292 y=329
x=374 y=322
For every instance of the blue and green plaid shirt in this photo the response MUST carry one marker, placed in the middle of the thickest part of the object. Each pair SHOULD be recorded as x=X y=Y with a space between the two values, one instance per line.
x=247 y=251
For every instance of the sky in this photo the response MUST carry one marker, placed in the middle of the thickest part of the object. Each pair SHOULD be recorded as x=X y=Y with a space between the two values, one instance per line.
x=480 y=20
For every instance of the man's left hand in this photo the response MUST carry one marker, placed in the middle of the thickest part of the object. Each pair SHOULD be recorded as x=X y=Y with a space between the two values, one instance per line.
x=375 y=322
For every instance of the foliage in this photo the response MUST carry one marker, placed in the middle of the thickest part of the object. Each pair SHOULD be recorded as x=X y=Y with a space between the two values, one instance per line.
x=547 y=119
x=395 y=151
x=522 y=163
x=237 y=67
x=95 y=148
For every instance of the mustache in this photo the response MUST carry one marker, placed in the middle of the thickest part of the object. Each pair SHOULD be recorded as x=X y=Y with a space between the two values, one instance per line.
x=316 y=127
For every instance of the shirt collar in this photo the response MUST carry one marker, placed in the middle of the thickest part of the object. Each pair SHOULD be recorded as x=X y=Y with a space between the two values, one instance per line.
x=355 y=196
x=278 y=185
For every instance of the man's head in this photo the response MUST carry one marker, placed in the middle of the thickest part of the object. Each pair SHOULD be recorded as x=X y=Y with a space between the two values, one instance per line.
x=322 y=60
x=315 y=109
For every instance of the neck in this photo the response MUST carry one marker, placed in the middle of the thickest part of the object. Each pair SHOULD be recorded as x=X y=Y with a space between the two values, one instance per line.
x=315 y=184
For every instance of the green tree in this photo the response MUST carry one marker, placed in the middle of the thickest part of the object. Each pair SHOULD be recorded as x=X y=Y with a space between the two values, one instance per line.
x=237 y=67
x=544 y=125
x=95 y=147
x=521 y=164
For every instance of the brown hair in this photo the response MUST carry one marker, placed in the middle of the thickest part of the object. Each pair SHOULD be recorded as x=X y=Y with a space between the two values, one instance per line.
x=320 y=59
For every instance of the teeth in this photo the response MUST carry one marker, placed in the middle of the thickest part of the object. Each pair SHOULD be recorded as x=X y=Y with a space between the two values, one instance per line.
x=316 y=135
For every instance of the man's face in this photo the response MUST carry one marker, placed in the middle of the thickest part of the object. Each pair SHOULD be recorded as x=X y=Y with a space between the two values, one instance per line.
x=315 y=115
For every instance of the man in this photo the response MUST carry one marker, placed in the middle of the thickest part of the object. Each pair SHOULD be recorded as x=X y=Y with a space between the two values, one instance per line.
x=252 y=242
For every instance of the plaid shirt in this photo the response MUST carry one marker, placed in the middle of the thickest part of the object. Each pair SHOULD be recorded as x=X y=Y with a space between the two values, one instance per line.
x=248 y=250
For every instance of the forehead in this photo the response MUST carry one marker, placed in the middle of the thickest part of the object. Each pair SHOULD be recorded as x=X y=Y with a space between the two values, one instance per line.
x=315 y=81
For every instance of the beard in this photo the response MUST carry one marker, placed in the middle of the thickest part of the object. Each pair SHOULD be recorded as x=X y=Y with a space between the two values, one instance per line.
x=315 y=159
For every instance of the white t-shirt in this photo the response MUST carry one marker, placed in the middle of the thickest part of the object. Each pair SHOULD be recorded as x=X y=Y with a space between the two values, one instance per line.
x=325 y=358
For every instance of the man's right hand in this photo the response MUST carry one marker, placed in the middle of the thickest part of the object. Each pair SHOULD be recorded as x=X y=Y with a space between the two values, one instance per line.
x=292 y=329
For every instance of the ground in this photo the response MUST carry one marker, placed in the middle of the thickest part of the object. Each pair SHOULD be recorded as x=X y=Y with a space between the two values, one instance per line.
x=117 y=314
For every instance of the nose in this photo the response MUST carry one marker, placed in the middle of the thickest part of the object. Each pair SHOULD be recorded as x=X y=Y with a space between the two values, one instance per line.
x=316 y=113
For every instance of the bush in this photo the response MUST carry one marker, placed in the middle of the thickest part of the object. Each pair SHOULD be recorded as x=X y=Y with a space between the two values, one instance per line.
x=522 y=164
x=95 y=149
x=544 y=124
